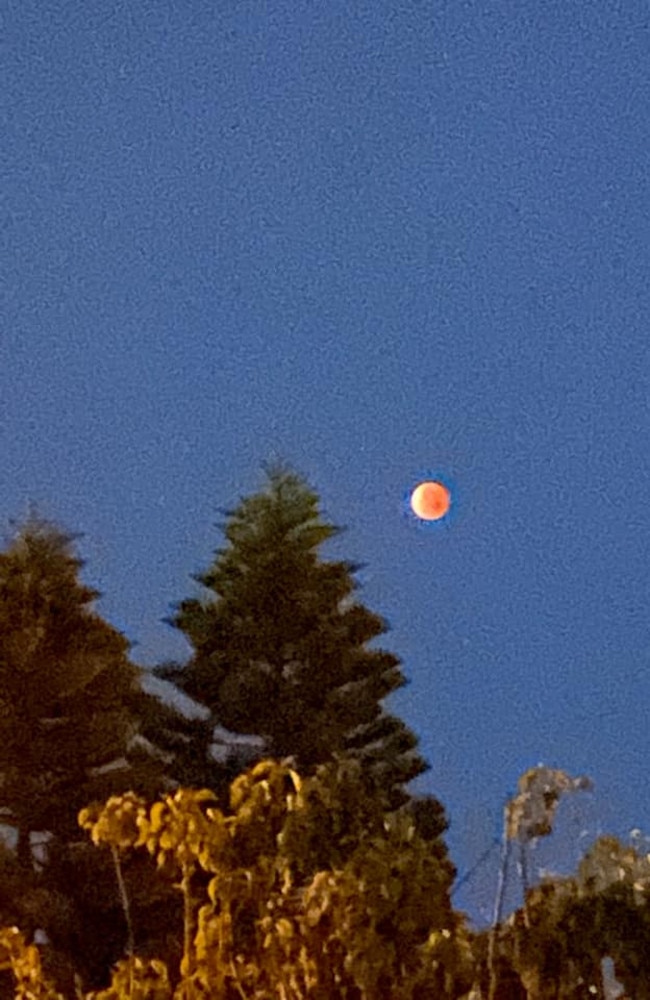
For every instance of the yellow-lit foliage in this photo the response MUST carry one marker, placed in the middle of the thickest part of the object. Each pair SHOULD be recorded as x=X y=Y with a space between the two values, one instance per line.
x=116 y=823
x=531 y=812
x=24 y=961
x=137 y=979
x=184 y=830
x=254 y=928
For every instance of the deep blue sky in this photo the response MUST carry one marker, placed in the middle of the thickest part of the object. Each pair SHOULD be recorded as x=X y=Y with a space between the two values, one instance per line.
x=379 y=240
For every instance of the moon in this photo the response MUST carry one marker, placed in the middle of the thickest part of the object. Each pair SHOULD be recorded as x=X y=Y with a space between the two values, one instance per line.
x=430 y=501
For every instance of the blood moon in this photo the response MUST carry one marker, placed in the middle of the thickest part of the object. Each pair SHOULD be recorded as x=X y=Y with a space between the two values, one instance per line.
x=430 y=501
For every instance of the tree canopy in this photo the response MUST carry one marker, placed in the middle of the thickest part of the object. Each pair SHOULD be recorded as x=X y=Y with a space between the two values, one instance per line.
x=281 y=646
x=66 y=686
x=309 y=873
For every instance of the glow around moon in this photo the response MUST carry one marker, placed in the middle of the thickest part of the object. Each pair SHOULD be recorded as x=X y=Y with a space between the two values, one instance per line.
x=430 y=501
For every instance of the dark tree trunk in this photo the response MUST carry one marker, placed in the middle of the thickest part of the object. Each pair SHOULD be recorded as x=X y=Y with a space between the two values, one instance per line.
x=24 y=849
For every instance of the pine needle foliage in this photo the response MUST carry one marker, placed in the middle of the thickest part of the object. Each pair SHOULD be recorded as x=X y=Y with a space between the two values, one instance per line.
x=65 y=686
x=281 y=645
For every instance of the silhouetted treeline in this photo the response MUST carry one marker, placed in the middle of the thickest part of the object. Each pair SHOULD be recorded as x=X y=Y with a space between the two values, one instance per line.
x=270 y=847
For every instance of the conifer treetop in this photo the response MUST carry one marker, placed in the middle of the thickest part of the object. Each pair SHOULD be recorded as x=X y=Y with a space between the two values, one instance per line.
x=281 y=644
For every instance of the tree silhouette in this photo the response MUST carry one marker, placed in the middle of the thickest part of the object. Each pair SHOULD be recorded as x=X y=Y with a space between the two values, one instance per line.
x=281 y=647
x=66 y=729
x=69 y=735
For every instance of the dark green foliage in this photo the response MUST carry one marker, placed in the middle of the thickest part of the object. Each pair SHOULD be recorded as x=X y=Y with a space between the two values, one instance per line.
x=94 y=931
x=555 y=944
x=428 y=815
x=182 y=742
x=281 y=645
x=340 y=810
x=65 y=687
x=69 y=702
x=613 y=882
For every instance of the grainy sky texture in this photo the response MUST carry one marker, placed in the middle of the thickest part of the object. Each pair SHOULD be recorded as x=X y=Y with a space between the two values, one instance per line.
x=380 y=240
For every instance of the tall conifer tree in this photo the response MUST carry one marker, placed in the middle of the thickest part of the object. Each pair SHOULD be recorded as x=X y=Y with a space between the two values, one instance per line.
x=66 y=691
x=281 y=646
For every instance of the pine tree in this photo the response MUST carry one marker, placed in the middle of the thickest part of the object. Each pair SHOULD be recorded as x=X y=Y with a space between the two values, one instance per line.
x=72 y=715
x=66 y=684
x=281 y=647
x=183 y=742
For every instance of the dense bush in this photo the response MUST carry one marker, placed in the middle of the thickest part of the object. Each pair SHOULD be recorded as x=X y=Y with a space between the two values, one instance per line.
x=253 y=925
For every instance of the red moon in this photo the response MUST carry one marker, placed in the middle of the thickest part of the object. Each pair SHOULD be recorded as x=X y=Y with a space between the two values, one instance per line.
x=430 y=501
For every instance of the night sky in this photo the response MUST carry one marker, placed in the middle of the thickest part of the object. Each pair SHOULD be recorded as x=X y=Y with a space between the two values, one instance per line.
x=381 y=241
